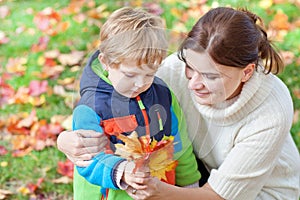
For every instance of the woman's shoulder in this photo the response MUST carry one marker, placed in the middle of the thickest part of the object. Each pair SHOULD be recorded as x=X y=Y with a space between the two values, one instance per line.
x=278 y=104
x=280 y=93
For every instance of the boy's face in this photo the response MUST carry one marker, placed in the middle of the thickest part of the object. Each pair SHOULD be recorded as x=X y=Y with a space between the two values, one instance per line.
x=130 y=80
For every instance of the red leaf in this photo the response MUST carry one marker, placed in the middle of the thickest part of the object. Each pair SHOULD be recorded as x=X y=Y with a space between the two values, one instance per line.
x=6 y=92
x=4 y=11
x=65 y=168
x=50 y=62
x=3 y=151
x=153 y=8
x=3 y=38
x=45 y=19
x=37 y=87
x=41 y=45
x=32 y=187
x=46 y=131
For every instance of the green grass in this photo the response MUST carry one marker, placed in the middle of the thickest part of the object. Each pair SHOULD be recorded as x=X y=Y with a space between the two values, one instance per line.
x=28 y=169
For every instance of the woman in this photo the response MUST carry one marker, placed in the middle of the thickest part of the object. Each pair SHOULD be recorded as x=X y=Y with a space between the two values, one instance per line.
x=239 y=114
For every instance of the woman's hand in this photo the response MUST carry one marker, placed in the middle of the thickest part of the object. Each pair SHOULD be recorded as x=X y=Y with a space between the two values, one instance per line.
x=81 y=145
x=152 y=191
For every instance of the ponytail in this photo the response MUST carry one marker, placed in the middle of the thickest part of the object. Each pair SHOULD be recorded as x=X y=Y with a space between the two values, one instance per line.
x=271 y=58
x=267 y=53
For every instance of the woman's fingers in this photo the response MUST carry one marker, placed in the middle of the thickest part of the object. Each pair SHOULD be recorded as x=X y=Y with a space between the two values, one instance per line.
x=83 y=163
x=81 y=146
x=99 y=142
x=88 y=133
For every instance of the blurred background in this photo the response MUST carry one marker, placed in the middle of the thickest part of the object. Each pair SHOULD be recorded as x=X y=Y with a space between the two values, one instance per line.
x=43 y=48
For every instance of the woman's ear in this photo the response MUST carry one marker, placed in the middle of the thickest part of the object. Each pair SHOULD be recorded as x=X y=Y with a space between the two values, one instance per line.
x=248 y=71
x=103 y=61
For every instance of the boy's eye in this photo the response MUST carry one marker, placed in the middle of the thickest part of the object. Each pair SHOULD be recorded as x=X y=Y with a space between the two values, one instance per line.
x=129 y=75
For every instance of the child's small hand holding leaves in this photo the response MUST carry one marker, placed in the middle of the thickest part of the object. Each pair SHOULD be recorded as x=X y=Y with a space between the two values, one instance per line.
x=136 y=179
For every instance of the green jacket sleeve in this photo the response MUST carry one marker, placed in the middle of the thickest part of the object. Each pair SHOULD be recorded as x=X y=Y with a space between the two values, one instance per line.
x=187 y=170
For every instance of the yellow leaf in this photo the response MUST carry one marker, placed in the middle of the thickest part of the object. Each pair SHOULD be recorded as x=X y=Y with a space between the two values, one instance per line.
x=3 y=163
x=265 y=4
x=132 y=149
x=23 y=190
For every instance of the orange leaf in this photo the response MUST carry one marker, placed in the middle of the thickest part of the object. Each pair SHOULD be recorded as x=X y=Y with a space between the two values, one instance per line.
x=21 y=97
x=21 y=153
x=14 y=129
x=132 y=149
x=28 y=121
x=41 y=45
x=16 y=65
x=280 y=21
x=66 y=81
x=71 y=59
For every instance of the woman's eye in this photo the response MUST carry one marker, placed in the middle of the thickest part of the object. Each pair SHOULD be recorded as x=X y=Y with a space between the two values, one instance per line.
x=211 y=77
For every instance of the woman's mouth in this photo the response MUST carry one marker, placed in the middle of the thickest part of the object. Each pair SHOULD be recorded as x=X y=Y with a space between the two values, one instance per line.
x=201 y=94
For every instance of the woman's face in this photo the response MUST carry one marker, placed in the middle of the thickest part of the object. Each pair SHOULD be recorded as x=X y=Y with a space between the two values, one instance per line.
x=212 y=83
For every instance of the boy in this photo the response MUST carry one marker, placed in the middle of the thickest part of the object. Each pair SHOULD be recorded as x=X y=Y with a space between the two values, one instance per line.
x=119 y=95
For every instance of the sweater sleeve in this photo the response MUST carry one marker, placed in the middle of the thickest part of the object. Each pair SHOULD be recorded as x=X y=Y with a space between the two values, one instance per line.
x=101 y=171
x=187 y=170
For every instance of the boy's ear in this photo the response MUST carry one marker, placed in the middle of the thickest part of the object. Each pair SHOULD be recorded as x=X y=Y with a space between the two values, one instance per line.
x=103 y=61
x=248 y=71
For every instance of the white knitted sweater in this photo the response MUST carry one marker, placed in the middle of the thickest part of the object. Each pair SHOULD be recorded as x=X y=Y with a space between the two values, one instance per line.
x=245 y=142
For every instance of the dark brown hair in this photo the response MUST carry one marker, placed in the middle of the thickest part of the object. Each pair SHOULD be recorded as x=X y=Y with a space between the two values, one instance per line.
x=232 y=37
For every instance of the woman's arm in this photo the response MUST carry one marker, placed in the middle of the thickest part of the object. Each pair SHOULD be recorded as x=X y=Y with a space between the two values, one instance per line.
x=80 y=146
x=157 y=190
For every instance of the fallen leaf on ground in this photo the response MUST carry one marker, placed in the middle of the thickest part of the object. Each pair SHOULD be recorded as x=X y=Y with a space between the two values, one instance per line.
x=65 y=168
x=63 y=180
x=5 y=193
x=3 y=151
x=36 y=87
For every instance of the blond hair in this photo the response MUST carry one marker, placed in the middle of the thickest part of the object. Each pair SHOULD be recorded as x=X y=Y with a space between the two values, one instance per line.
x=131 y=33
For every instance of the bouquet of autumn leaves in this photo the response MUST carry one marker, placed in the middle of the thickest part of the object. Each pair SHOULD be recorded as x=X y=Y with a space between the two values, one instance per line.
x=157 y=155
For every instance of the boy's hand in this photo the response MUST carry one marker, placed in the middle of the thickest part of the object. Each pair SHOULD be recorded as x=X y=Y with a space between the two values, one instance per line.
x=81 y=146
x=138 y=179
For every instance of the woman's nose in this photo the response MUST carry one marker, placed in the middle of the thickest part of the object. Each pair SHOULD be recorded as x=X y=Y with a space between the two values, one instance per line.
x=195 y=82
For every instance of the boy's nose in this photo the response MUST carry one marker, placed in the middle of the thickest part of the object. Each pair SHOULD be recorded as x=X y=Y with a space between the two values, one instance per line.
x=139 y=82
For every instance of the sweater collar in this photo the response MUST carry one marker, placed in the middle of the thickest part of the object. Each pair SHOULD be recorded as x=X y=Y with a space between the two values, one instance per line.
x=254 y=92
